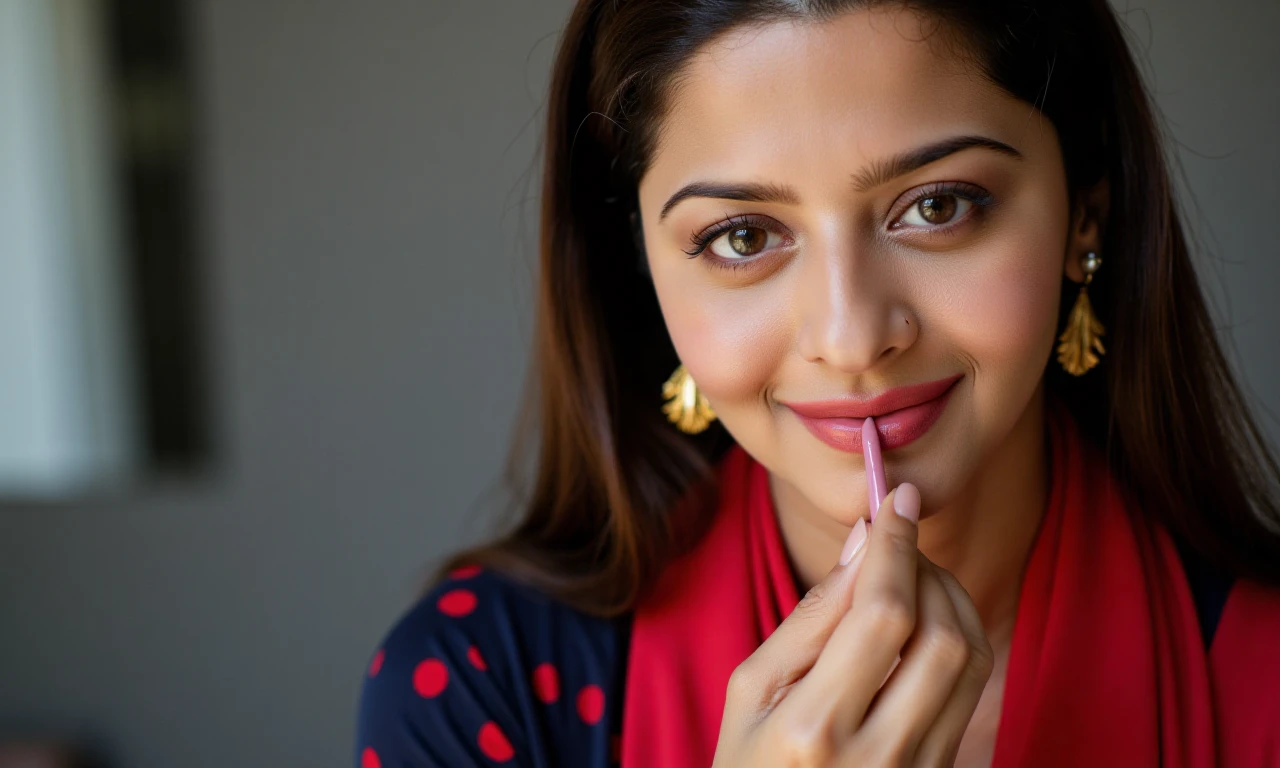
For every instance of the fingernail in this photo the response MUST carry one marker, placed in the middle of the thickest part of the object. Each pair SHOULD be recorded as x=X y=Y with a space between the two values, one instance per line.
x=857 y=537
x=906 y=502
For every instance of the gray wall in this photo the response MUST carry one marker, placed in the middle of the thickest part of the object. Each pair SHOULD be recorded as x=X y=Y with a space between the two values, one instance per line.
x=368 y=167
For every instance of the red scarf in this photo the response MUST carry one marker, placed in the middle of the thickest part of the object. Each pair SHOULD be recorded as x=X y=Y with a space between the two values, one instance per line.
x=1106 y=667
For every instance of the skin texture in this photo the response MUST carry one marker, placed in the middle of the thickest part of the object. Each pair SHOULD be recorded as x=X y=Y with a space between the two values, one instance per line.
x=835 y=301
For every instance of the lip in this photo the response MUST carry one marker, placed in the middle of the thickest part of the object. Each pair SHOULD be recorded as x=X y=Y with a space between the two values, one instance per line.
x=902 y=415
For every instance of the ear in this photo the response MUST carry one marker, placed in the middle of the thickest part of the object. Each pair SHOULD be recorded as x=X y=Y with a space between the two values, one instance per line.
x=1088 y=223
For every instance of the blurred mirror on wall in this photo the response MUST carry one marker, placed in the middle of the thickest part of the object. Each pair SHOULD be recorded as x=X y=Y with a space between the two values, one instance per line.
x=102 y=349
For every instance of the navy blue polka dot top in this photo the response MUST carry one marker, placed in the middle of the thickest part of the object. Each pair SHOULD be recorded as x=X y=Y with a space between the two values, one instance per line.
x=485 y=671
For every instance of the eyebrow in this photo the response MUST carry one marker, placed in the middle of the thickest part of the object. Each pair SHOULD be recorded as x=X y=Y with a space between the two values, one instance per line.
x=879 y=172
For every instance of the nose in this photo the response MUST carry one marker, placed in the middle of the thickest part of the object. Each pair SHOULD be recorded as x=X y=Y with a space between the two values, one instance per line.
x=852 y=316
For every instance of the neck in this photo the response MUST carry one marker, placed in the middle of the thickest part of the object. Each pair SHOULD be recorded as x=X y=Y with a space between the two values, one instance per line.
x=983 y=536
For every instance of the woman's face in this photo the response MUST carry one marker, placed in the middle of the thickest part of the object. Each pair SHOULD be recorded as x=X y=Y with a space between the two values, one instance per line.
x=847 y=274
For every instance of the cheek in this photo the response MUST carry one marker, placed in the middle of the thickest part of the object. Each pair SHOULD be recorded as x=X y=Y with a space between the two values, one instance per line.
x=1004 y=315
x=731 y=341
x=1000 y=312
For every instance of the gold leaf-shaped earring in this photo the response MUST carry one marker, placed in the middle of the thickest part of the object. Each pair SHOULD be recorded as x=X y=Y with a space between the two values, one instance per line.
x=1082 y=337
x=686 y=407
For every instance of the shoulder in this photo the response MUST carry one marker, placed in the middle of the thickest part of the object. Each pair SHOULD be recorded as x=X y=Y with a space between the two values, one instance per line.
x=1245 y=675
x=482 y=668
x=497 y=613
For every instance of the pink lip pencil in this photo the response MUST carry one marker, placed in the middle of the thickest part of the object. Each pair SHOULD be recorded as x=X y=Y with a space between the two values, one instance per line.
x=877 y=485
x=877 y=488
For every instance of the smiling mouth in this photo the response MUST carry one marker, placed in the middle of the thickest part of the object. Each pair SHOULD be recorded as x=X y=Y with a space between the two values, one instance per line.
x=902 y=415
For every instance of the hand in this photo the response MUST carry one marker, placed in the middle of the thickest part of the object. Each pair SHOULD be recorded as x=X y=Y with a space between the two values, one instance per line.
x=827 y=688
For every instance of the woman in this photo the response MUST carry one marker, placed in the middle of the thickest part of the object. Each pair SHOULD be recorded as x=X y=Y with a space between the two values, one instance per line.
x=817 y=212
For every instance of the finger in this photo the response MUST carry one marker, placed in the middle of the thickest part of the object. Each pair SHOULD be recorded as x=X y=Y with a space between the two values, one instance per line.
x=942 y=741
x=790 y=650
x=905 y=709
x=882 y=615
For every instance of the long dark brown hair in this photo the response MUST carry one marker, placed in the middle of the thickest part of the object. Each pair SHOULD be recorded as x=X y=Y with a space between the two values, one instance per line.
x=601 y=512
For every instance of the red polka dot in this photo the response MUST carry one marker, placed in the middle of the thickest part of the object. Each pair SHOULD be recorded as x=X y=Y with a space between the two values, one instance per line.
x=477 y=661
x=465 y=572
x=376 y=663
x=369 y=759
x=493 y=743
x=546 y=682
x=590 y=704
x=457 y=602
x=430 y=677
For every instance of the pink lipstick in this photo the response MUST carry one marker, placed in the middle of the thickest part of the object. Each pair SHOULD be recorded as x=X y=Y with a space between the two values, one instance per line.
x=902 y=415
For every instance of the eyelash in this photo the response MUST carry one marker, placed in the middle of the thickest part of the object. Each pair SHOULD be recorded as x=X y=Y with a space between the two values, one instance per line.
x=961 y=189
x=701 y=240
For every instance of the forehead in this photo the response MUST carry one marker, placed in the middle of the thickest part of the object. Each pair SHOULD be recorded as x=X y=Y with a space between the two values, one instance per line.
x=801 y=99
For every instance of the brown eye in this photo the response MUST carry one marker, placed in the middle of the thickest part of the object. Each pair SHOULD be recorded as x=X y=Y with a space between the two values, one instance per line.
x=935 y=210
x=747 y=241
x=742 y=243
x=938 y=210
